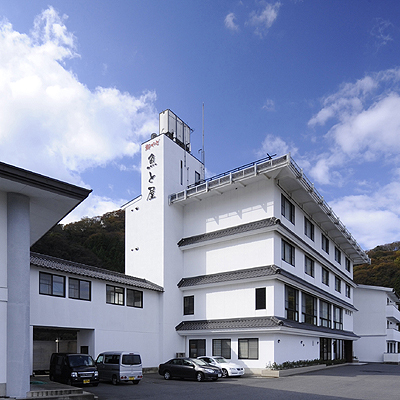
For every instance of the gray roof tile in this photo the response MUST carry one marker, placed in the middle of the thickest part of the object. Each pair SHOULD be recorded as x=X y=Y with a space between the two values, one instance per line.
x=251 y=226
x=57 y=264
x=256 y=323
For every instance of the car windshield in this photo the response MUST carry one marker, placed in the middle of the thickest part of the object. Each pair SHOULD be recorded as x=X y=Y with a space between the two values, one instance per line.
x=220 y=360
x=131 y=359
x=80 y=360
x=199 y=361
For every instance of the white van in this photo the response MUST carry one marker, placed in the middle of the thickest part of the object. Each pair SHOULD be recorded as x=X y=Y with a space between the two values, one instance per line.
x=119 y=366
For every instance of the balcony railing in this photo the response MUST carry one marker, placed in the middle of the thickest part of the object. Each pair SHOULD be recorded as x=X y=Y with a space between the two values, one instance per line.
x=393 y=313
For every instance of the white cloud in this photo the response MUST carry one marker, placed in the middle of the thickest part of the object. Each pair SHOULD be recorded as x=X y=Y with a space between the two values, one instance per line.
x=269 y=105
x=380 y=32
x=93 y=206
x=363 y=123
x=275 y=145
x=263 y=19
x=50 y=122
x=230 y=22
x=372 y=219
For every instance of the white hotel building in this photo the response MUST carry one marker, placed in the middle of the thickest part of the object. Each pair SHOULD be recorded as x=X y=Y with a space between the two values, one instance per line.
x=254 y=264
x=251 y=264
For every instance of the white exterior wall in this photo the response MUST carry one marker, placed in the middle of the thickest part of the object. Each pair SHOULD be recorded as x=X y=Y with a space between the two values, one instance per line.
x=240 y=206
x=370 y=324
x=103 y=326
x=3 y=293
x=229 y=301
x=152 y=253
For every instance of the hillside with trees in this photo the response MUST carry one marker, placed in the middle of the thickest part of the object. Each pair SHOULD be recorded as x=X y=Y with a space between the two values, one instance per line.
x=97 y=241
x=100 y=241
x=384 y=269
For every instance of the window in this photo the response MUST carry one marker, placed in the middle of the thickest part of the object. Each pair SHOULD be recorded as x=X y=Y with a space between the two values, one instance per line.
x=134 y=298
x=308 y=228
x=348 y=291
x=309 y=266
x=221 y=347
x=287 y=209
x=115 y=295
x=325 y=349
x=338 y=284
x=348 y=266
x=292 y=303
x=197 y=348
x=78 y=289
x=52 y=285
x=261 y=299
x=338 y=255
x=287 y=252
x=325 y=276
x=324 y=314
x=188 y=305
x=325 y=244
x=309 y=306
x=337 y=318
x=248 y=349
x=196 y=177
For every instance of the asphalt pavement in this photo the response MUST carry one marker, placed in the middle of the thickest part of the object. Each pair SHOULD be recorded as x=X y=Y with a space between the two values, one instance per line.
x=354 y=381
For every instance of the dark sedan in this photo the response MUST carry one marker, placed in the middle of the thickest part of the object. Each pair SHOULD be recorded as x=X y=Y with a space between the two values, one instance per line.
x=190 y=368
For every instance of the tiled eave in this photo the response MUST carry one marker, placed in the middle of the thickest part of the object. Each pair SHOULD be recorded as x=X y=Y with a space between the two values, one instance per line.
x=293 y=181
x=259 y=324
x=266 y=272
x=229 y=232
x=87 y=271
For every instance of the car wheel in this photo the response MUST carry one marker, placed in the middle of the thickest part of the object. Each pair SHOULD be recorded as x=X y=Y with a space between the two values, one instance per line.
x=199 y=377
x=224 y=373
x=114 y=380
x=135 y=382
x=167 y=375
x=69 y=382
x=95 y=384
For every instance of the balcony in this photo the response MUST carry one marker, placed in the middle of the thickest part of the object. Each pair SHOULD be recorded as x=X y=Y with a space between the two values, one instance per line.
x=392 y=335
x=391 y=358
x=392 y=313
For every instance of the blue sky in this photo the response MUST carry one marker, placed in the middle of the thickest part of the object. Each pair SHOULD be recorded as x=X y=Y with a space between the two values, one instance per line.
x=82 y=83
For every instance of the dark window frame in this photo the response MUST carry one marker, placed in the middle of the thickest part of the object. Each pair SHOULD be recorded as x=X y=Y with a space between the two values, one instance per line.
x=325 y=319
x=338 y=284
x=325 y=276
x=188 y=305
x=337 y=318
x=247 y=349
x=338 y=255
x=309 y=266
x=309 y=229
x=222 y=348
x=118 y=295
x=261 y=298
x=51 y=285
x=136 y=301
x=80 y=295
x=287 y=209
x=325 y=243
x=197 y=348
x=348 y=291
x=291 y=303
x=288 y=252
x=348 y=265
x=309 y=309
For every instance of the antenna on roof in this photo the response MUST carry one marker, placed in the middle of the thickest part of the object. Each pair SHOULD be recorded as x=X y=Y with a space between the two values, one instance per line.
x=203 y=153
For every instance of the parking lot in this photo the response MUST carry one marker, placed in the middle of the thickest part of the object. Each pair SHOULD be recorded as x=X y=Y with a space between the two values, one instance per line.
x=364 y=382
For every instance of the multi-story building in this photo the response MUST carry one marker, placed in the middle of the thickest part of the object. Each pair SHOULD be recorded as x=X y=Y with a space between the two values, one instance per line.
x=254 y=264
x=377 y=324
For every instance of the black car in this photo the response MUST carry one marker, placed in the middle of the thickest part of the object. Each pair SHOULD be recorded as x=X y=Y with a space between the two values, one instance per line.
x=73 y=369
x=190 y=368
